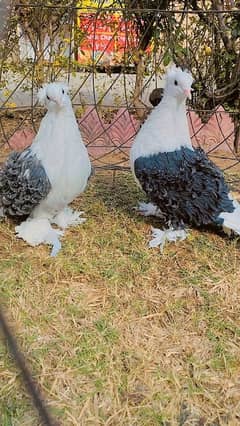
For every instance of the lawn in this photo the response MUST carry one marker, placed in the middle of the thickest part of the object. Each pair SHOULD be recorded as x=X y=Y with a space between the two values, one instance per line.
x=117 y=333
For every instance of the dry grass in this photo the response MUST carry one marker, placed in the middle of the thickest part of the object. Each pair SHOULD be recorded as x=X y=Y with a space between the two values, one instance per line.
x=116 y=333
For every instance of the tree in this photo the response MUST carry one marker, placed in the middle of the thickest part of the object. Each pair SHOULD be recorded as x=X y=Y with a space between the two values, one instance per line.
x=40 y=23
x=206 y=41
x=147 y=21
x=225 y=51
x=219 y=81
x=5 y=10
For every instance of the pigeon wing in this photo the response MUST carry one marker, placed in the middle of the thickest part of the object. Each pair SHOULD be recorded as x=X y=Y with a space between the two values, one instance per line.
x=23 y=184
x=186 y=186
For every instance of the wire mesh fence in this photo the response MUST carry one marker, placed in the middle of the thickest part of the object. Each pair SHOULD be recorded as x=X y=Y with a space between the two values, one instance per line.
x=114 y=54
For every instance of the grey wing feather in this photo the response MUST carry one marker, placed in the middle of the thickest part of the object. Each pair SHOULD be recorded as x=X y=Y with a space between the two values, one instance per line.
x=186 y=186
x=23 y=184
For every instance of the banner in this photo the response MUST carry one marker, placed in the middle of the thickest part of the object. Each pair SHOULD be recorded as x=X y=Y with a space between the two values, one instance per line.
x=106 y=36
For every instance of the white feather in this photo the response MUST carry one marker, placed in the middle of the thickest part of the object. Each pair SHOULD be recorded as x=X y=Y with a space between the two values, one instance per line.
x=161 y=236
x=231 y=221
x=39 y=231
x=166 y=128
x=68 y=217
x=63 y=154
x=148 y=209
x=42 y=95
x=59 y=147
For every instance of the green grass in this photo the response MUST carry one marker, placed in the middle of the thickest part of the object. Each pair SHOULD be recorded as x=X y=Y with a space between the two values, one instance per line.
x=117 y=333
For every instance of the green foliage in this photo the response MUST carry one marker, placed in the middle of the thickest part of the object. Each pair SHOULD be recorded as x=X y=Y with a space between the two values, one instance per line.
x=206 y=43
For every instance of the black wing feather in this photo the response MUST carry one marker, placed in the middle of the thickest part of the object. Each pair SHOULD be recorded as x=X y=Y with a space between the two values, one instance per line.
x=23 y=184
x=185 y=185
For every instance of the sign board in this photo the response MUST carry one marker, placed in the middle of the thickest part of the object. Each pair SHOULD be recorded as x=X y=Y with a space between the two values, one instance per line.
x=106 y=36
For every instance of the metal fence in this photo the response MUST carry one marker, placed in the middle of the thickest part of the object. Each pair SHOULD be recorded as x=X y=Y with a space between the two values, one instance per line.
x=114 y=56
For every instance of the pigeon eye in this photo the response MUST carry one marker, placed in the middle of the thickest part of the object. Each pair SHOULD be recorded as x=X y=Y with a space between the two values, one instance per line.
x=63 y=91
x=48 y=98
x=175 y=82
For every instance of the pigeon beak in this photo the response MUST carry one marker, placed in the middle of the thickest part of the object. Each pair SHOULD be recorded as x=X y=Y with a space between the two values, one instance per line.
x=59 y=102
x=187 y=93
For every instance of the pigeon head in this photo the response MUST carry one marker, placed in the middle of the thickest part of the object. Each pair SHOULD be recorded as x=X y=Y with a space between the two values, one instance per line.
x=54 y=96
x=178 y=83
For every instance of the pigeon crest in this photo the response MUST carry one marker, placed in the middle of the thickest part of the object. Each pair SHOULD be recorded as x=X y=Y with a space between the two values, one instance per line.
x=178 y=82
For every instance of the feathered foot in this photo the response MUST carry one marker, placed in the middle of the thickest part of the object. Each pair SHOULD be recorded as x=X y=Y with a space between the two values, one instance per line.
x=68 y=217
x=39 y=231
x=161 y=236
x=148 y=209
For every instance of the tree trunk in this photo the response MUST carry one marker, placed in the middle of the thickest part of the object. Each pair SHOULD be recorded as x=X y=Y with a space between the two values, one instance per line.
x=139 y=105
x=5 y=10
x=237 y=131
x=39 y=66
x=236 y=136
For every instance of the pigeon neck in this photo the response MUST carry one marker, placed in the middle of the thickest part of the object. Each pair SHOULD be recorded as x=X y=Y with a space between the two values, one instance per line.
x=174 y=103
x=173 y=125
x=62 y=113
x=56 y=132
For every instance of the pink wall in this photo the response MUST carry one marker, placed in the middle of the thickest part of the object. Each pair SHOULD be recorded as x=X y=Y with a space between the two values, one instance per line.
x=116 y=136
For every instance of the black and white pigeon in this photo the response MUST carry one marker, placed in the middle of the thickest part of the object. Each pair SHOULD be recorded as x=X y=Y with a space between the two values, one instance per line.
x=183 y=186
x=37 y=184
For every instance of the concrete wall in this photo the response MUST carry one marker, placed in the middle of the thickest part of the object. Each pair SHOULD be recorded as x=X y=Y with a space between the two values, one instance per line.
x=114 y=90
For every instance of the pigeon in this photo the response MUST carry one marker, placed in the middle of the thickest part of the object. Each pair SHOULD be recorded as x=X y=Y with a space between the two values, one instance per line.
x=37 y=184
x=183 y=186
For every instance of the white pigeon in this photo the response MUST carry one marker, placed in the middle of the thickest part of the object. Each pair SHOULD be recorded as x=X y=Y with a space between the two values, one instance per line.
x=37 y=184
x=183 y=186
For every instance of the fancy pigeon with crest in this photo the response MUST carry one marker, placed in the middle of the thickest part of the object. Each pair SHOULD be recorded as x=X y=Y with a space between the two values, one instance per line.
x=37 y=184
x=183 y=186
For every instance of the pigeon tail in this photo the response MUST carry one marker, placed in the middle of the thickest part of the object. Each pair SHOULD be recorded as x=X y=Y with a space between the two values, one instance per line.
x=231 y=221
